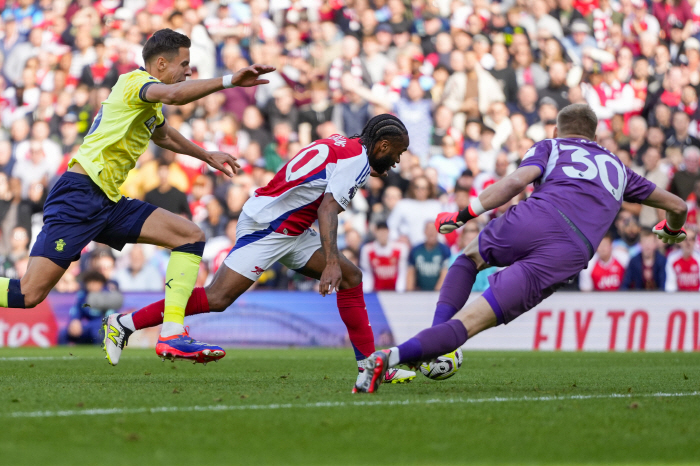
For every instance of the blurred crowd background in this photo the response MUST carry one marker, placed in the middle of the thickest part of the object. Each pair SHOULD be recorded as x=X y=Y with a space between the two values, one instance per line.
x=476 y=82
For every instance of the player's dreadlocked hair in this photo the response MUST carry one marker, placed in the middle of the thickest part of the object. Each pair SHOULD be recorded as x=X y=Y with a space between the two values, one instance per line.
x=381 y=127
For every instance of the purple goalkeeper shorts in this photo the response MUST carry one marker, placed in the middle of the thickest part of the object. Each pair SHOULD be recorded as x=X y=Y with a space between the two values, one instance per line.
x=542 y=249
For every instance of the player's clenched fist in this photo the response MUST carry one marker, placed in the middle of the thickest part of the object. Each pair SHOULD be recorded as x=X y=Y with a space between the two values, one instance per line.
x=668 y=235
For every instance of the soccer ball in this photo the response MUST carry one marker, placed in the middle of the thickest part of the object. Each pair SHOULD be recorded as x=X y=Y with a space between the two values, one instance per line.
x=443 y=367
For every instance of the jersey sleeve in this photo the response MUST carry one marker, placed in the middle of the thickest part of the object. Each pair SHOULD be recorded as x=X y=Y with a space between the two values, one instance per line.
x=135 y=90
x=348 y=176
x=638 y=188
x=538 y=155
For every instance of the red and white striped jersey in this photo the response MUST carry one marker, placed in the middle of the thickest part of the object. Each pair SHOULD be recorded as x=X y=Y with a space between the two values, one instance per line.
x=682 y=273
x=290 y=201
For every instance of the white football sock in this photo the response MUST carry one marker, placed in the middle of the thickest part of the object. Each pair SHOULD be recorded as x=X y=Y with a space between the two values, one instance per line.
x=394 y=357
x=171 y=328
x=126 y=320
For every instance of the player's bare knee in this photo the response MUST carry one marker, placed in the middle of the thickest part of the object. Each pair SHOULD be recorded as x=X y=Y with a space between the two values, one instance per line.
x=472 y=252
x=351 y=278
x=195 y=235
x=218 y=301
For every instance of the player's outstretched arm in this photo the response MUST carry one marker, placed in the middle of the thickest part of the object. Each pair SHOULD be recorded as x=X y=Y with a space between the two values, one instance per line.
x=670 y=230
x=189 y=91
x=492 y=197
x=328 y=224
x=169 y=138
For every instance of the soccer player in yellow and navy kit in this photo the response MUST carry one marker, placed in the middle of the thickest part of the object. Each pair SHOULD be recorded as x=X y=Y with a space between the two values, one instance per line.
x=85 y=204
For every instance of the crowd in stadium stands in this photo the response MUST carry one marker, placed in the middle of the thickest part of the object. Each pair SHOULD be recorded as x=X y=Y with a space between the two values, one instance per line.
x=476 y=83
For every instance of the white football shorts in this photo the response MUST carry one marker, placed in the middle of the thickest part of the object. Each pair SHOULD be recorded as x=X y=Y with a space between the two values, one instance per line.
x=257 y=248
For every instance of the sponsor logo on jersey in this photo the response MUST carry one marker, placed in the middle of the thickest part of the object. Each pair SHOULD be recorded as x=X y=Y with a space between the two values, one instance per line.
x=338 y=140
x=151 y=124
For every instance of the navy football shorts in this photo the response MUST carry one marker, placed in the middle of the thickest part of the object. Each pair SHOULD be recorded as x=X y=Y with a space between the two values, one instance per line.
x=77 y=211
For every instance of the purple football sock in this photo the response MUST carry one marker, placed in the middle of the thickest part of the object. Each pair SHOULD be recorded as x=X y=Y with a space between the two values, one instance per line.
x=433 y=342
x=455 y=289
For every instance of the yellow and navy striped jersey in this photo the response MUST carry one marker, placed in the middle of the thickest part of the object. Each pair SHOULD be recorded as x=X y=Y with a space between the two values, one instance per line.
x=120 y=132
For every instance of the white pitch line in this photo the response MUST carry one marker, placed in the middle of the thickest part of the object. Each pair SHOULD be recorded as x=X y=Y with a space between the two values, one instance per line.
x=329 y=404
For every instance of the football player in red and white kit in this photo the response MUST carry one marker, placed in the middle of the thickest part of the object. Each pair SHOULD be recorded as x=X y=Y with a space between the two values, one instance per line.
x=605 y=270
x=318 y=183
x=683 y=267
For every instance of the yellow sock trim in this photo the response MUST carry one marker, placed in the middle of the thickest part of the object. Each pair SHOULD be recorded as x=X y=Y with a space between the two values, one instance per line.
x=180 y=277
x=4 y=290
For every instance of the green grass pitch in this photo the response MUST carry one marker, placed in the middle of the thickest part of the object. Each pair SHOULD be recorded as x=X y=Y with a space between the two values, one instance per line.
x=295 y=407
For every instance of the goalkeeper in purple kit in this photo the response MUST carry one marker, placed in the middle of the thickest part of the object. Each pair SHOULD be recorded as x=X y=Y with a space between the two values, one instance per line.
x=543 y=241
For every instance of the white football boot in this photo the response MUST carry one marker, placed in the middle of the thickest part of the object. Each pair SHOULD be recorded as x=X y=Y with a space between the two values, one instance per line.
x=115 y=338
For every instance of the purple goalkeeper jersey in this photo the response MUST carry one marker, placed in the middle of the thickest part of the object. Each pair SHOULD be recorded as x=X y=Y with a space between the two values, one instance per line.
x=586 y=182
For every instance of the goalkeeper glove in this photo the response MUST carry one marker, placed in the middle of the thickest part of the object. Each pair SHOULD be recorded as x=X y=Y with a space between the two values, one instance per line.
x=667 y=235
x=447 y=222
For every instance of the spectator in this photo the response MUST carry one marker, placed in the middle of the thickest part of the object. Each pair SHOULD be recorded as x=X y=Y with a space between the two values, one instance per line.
x=680 y=136
x=528 y=72
x=543 y=20
x=427 y=263
x=605 y=270
x=578 y=41
x=627 y=226
x=137 y=274
x=382 y=210
x=557 y=88
x=566 y=14
x=448 y=163
x=384 y=263
x=167 y=196
x=85 y=324
x=410 y=215
x=639 y=22
x=684 y=179
x=683 y=267
x=215 y=223
x=646 y=270
x=526 y=104
x=348 y=62
x=34 y=169
x=655 y=172
x=319 y=111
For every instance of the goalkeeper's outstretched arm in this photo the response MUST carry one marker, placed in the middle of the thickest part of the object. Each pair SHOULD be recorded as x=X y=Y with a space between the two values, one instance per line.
x=676 y=209
x=492 y=197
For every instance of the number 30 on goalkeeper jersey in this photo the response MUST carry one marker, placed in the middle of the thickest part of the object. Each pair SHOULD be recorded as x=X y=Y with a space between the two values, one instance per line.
x=290 y=202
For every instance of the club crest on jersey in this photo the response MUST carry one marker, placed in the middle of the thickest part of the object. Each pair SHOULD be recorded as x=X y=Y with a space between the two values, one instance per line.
x=151 y=124
x=352 y=192
x=258 y=271
x=60 y=244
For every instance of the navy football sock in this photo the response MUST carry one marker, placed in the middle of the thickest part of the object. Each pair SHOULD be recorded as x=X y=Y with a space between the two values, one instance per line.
x=11 y=294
